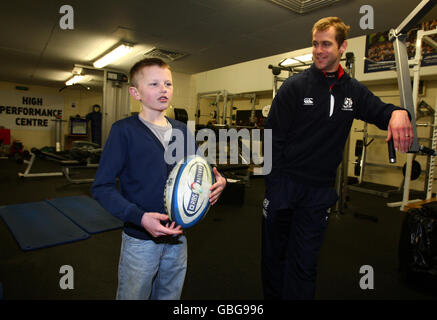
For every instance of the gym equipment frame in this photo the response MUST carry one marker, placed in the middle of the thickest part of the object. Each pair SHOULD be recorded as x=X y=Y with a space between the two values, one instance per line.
x=218 y=94
x=361 y=163
x=408 y=101
x=66 y=166
x=223 y=95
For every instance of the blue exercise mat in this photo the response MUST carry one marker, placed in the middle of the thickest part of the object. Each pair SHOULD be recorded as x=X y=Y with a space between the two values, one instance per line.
x=38 y=225
x=87 y=213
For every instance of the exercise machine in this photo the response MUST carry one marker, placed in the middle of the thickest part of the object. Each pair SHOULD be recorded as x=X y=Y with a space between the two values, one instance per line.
x=407 y=95
x=361 y=163
x=412 y=169
x=218 y=95
x=83 y=155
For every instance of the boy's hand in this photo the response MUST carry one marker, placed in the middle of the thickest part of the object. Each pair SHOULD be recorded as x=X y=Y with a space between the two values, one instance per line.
x=217 y=188
x=151 y=221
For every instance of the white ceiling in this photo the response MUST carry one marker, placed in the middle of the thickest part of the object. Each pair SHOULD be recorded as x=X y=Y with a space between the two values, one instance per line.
x=213 y=33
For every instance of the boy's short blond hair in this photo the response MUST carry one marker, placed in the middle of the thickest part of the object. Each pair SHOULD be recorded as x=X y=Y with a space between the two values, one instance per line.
x=341 y=29
x=147 y=62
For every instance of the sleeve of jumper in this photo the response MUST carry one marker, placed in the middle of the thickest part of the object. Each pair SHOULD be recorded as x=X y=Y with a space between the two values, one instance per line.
x=372 y=110
x=104 y=188
x=279 y=121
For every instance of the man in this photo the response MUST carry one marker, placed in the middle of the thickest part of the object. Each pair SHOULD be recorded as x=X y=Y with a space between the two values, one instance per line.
x=310 y=118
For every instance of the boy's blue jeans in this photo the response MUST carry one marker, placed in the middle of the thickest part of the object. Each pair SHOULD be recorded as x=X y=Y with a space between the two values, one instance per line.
x=150 y=269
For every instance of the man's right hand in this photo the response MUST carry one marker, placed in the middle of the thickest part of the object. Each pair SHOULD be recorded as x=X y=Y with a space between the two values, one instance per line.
x=151 y=221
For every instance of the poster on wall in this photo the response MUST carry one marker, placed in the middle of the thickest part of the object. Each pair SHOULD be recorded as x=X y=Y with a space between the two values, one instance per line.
x=29 y=110
x=380 y=49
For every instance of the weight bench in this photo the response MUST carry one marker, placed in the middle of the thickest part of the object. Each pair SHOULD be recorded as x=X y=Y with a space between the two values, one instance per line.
x=75 y=159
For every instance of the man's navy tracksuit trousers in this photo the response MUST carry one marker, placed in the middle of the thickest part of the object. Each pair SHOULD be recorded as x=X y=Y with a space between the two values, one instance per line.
x=295 y=218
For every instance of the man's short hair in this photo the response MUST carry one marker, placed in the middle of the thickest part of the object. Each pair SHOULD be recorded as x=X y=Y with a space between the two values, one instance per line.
x=341 y=29
x=147 y=62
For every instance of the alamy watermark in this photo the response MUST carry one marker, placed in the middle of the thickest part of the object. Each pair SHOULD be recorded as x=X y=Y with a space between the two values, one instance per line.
x=224 y=146
x=67 y=280
x=366 y=21
x=67 y=20
x=367 y=281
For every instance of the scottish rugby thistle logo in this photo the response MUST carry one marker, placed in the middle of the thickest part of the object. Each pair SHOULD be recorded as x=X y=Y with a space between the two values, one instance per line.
x=347 y=105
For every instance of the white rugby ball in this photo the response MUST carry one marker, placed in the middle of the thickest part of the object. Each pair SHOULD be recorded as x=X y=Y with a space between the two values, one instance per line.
x=186 y=194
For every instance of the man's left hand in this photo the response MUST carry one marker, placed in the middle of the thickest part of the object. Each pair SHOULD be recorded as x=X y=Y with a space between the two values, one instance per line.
x=400 y=129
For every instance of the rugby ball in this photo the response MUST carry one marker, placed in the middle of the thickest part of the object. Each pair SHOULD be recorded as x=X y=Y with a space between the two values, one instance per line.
x=186 y=194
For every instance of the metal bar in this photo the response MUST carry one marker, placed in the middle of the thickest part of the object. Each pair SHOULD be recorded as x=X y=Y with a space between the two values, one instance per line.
x=407 y=180
x=231 y=110
x=363 y=154
x=252 y=112
x=416 y=75
x=217 y=100
x=416 y=82
x=277 y=79
x=404 y=84
x=397 y=204
x=415 y=16
x=432 y=161
x=105 y=109
x=384 y=137
x=275 y=84
x=428 y=32
x=382 y=165
x=27 y=173
x=362 y=189
x=381 y=63
x=242 y=95
x=209 y=93
x=426 y=125
x=225 y=101
x=431 y=42
x=66 y=173
x=197 y=114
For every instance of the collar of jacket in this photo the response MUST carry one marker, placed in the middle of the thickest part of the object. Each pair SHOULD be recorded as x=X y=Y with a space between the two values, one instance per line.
x=174 y=123
x=320 y=75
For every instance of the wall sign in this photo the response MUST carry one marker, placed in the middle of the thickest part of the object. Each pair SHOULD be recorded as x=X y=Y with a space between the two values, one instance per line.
x=29 y=110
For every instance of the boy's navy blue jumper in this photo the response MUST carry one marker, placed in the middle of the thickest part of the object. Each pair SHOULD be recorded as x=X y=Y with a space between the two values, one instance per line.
x=135 y=155
x=310 y=118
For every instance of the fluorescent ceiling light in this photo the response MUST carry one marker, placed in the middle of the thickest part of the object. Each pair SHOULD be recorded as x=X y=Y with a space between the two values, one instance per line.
x=296 y=60
x=303 y=6
x=120 y=51
x=73 y=80
x=77 y=70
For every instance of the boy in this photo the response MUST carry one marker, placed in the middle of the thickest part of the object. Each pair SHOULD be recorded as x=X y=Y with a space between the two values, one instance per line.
x=153 y=258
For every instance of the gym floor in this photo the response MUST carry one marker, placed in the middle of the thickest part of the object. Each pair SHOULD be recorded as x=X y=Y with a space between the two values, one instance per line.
x=223 y=250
